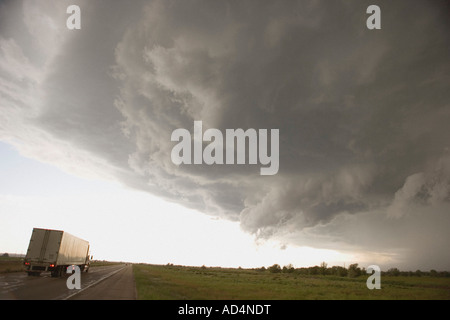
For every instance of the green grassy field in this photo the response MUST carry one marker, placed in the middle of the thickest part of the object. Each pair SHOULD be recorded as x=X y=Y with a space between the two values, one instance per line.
x=177 y=282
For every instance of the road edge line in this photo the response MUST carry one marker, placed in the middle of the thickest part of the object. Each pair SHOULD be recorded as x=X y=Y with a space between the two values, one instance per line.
x=92 y=284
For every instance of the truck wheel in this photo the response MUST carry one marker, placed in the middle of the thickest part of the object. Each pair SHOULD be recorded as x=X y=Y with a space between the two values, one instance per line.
x=57 y=272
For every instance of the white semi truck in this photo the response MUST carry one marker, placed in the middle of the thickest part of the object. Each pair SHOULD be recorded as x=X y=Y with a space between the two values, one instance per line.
x=54 y=251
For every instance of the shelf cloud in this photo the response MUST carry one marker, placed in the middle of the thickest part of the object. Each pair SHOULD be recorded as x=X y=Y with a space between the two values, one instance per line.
x=363 y=115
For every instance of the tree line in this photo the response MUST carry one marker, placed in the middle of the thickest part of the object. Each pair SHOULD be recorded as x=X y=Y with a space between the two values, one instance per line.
x=352 y=271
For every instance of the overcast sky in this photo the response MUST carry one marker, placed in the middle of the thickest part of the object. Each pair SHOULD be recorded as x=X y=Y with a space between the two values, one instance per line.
x=363 y=117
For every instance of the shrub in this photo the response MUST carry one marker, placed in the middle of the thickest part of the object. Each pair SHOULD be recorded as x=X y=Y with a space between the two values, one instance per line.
x=288 y=269
x=353 y=271
x=275 y=268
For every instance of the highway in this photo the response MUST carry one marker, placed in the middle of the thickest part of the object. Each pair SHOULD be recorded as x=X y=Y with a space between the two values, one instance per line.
x=100 y=283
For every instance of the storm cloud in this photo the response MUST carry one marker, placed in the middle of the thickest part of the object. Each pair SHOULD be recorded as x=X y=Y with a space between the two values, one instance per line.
x=363 y=114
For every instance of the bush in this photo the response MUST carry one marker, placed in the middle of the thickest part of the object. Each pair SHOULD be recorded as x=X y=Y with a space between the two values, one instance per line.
x=262 y=269
x=314 y=270
x=275 y=268
x=393 y=272
x=353 y=271
x=288 y=269
x=338 y=271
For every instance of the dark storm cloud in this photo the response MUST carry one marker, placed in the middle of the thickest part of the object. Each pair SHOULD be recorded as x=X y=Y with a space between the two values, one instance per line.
x=363 y=115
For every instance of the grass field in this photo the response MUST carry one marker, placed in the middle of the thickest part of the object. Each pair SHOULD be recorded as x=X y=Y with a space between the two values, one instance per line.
x=157 y=282
x=191 y=283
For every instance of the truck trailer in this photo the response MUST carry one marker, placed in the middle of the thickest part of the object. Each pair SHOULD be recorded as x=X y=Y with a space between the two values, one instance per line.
x=54 y=251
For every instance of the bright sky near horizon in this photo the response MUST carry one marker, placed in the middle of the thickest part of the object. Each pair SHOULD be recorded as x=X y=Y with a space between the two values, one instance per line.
x=128 y=225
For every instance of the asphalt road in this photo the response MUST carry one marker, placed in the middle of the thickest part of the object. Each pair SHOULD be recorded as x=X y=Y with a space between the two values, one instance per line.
x=100 y=283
